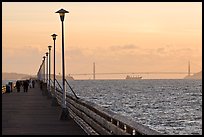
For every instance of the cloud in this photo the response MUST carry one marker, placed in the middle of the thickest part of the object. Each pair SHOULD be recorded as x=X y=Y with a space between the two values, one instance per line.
x=128 y=58
x=26 y=59
x=161 y=50
x=124 y=47
x=74 y=52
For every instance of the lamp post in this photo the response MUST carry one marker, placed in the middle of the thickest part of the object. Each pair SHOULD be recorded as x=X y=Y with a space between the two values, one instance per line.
x=43 y=69
x=54 y=100
x=41 y=72
x=47 y=70
x=49 y=93
x=65 y=114
x=44 y=80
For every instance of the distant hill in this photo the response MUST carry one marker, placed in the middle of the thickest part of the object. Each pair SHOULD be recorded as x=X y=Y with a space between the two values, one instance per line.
x=195 y=76
x=14 y=76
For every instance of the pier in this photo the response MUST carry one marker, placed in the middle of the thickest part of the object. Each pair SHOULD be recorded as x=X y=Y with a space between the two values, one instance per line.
x=32 y=113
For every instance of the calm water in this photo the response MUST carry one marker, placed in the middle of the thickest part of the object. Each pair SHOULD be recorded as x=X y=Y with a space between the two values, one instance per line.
x=169 y=106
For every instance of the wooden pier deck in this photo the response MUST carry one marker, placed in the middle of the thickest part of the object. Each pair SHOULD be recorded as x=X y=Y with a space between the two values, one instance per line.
x=31 y=113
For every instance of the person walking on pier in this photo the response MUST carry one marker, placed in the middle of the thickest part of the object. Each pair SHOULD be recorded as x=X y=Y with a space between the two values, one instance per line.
x=33 y=83
x=30 y=83
x=18 y=85
x=8 y=88
x=41 y=85
x=25 y=85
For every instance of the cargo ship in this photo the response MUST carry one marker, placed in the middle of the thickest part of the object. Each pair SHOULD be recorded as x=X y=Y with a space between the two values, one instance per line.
x=133 y=77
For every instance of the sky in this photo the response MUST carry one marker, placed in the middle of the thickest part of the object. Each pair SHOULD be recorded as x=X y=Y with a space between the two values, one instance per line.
x=117 y=36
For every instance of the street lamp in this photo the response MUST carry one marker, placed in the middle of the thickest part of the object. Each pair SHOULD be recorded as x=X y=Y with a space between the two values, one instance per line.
x=47 y=70
x=43 y=69
x=65 y=114
x=41 y=72
x=49 y=47
x=54 y=100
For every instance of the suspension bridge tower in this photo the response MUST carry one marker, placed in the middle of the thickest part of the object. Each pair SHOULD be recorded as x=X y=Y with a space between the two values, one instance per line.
x=189 y=68
x=94 y=73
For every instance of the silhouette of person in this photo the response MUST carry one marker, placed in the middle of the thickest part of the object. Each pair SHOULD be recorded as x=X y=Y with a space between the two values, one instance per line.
x=25 y=85
x=8 y=88
x=30 y=83
x=41 y=85
x=18 y=85
x=33 y=82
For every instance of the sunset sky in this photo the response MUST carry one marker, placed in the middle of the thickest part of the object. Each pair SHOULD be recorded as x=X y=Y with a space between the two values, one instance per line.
x=117 y=36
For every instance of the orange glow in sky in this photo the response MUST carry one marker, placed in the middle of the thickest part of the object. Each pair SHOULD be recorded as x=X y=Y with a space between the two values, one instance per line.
x=117 y=36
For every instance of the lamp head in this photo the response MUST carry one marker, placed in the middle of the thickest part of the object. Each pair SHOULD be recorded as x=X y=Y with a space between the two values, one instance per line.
x=46 y=53
x=54 y=36
x=62 y=13
x=49 y=47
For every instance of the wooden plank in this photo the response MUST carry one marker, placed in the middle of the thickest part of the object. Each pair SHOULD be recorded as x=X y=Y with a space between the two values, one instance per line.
x=98 y=119
x=30 y=113
x=90 y=121
x=139 y=128
x=88 y=129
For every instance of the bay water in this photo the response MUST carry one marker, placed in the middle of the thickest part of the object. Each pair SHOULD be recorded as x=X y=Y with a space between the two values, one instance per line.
x=169 y=106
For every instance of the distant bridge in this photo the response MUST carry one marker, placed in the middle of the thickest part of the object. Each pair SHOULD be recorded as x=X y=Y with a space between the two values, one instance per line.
x=118 y=73
x=143 y=72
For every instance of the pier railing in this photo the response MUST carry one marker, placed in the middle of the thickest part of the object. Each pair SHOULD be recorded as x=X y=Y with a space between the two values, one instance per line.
x=95 y=119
